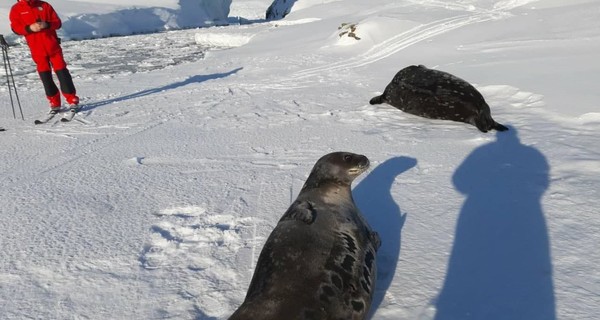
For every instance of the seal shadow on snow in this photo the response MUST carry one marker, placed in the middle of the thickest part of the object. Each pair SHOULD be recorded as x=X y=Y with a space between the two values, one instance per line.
x=500 y=264
x=190 y=80
x=374 y=199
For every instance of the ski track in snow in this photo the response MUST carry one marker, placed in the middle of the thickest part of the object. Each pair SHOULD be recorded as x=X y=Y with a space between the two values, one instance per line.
x=417 y=34
x=472 y=15
x=400 y=42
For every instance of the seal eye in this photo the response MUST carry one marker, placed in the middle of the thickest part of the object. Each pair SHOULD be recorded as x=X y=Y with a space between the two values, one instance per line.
x=348 y=158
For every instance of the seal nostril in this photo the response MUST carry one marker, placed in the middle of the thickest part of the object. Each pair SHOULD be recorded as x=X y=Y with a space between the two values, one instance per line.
x=364 y=163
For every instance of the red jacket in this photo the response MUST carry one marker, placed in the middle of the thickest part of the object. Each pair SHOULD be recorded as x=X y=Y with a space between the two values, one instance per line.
x=27 y=12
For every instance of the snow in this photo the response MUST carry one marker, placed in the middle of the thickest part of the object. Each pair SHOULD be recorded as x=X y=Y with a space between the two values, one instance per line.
x=192 y=143
x=93 y=19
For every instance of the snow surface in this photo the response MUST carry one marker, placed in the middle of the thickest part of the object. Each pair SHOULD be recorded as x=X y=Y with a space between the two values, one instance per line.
x=193 y=143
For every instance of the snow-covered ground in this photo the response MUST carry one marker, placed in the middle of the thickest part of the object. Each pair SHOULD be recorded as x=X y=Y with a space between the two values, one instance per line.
x=193 y=143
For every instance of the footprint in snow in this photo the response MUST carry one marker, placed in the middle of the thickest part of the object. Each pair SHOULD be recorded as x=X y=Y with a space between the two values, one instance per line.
x=205 y=256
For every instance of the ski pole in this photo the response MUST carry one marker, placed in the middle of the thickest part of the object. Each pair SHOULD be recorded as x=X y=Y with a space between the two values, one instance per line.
x=4 y=56
x=9 y=77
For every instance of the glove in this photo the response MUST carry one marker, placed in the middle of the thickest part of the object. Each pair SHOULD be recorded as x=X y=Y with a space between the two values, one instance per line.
x=38 y=26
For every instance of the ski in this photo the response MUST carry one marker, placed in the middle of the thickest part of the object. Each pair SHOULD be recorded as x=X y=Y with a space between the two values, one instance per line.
x=69 y=116
x=48 y=117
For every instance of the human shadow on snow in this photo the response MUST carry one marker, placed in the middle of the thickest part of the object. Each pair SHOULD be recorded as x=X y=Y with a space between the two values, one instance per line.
x=373 y=197
x=500 y=266
x=190 y=80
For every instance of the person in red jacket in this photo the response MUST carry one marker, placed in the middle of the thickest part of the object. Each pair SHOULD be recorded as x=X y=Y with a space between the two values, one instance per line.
x=38 y=22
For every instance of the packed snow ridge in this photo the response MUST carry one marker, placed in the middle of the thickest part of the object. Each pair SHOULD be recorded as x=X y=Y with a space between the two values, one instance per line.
x=189 y=14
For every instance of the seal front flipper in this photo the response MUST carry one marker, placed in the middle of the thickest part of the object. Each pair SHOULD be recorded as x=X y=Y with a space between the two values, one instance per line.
x=376 y=239
x=301 y=210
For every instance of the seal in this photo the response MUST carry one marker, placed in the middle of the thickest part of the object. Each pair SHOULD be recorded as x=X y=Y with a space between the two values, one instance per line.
x=319 y=261
x=438 y=95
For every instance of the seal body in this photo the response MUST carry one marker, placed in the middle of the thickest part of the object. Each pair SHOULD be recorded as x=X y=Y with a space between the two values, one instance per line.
x=438 y=95
x=319 y=261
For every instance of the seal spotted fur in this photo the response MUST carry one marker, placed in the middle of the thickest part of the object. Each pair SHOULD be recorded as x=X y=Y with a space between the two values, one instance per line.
x=319 y=261
x=438 y=95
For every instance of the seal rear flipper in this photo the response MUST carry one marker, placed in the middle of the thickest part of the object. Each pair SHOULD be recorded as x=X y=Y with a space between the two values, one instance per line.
x=377 y=100
x=486 y=123
x=300 y=210
x=499 y=127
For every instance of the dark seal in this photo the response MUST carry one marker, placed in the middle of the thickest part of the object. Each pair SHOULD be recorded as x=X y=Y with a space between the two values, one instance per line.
x=438 y=95
x=319 y=261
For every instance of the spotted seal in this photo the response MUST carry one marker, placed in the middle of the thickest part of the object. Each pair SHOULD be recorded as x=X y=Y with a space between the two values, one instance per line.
x=319 y=261
x=438 y=95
